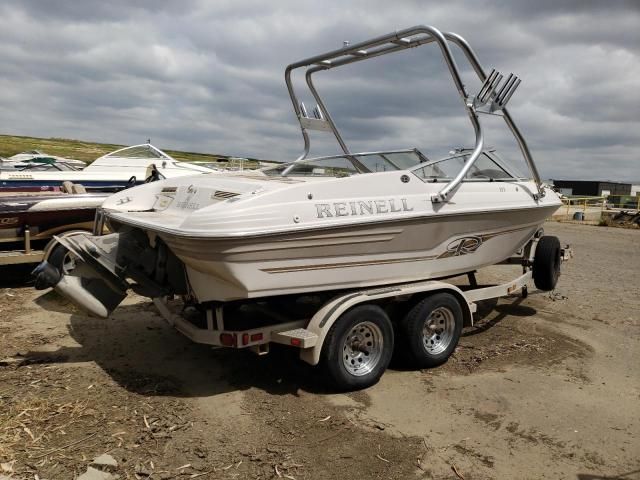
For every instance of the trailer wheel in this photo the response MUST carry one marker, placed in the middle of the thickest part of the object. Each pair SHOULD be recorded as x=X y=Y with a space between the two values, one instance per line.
x=61 y=258
x=546 y=263
x=430 y=331
x=358 y=348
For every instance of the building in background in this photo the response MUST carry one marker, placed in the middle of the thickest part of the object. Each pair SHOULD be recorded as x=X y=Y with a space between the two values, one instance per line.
x=592 y=188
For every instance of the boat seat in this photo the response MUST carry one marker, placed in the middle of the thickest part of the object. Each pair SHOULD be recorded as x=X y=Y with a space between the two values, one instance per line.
x=70 y=187
x=67 y=187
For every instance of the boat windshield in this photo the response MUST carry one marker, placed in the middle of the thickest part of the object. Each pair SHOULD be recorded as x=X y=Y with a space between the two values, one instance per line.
x=347 y=165
x=488 y=166
x=47 y=167
x=138 y=151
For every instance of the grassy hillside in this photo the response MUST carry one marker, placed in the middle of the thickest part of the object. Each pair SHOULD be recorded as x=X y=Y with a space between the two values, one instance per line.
x=86 y=151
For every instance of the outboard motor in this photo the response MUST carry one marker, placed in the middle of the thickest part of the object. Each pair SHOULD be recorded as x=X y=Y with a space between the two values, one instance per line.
x=90 y=285
x=104 y=266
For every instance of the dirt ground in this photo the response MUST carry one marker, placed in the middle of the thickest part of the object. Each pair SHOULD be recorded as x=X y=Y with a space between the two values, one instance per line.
x=543 y=387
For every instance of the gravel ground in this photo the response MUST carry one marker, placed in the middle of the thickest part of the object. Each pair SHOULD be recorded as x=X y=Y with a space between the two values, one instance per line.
x=543 y=387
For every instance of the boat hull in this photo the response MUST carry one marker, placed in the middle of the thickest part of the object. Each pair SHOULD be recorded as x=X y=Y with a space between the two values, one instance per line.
x=55 y=185
x=45 y=215
x=356 y=256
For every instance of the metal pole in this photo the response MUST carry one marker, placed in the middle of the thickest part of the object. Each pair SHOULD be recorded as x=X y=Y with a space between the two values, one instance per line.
x=524 y=148
x=393 y=42
x=296 y=109
x=326 y=113
x=27 y=240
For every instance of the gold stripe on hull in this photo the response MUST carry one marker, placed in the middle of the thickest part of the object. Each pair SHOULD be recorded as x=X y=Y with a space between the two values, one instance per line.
x=446 y=254
x=304 y=268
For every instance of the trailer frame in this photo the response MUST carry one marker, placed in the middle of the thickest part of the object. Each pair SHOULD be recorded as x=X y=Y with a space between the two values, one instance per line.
x=22 y=255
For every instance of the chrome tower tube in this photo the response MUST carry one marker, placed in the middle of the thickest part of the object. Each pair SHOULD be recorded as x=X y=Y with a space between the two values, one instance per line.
x=391 y=43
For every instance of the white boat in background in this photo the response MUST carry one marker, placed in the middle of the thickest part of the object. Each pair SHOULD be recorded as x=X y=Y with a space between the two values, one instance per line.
x=112 y=172
x=36 y=160
x=39 y=156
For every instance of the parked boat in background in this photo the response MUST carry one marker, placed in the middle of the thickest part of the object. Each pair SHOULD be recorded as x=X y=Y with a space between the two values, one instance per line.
x=28 y=221
x=46 y=214
x=39 y=156
x=112 y=172
x=36 y=160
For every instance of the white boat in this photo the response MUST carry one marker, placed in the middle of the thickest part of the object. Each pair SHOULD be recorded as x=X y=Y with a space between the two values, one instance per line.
x=35 y=160
x=30 y=156
x=318 y=224
x=119 y=169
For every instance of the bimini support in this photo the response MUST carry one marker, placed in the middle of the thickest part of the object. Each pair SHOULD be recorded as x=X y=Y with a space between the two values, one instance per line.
x=492 y=89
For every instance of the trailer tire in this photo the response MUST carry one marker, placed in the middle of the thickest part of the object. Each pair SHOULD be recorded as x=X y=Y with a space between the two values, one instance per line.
x=61 y=258
x=546 y=263
x=357 y=348
x=429 y=332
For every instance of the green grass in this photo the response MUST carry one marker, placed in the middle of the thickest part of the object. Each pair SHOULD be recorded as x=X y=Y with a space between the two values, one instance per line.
x=86 y=151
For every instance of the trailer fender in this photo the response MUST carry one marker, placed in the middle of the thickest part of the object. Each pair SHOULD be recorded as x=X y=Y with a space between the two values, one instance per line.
x=331 y=311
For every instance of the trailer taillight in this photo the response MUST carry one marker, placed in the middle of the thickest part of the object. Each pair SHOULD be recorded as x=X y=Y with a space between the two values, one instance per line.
x=256 y=337
x=296 y=342
x=228 y=339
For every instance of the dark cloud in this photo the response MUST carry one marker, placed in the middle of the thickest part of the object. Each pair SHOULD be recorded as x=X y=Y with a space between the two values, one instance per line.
x=208 y=76
x=98 y=11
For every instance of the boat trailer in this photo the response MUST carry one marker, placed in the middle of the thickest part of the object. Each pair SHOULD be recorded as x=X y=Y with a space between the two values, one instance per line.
x=310 y=334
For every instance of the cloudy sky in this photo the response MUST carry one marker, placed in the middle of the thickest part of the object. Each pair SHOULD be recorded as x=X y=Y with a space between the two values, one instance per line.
x=208 y=76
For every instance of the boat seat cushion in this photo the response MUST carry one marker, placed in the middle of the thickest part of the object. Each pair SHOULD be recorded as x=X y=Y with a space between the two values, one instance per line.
x=78 y=188
x=67 y=187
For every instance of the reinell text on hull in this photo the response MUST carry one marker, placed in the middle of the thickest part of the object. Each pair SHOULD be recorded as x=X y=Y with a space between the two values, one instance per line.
x=324 y=227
